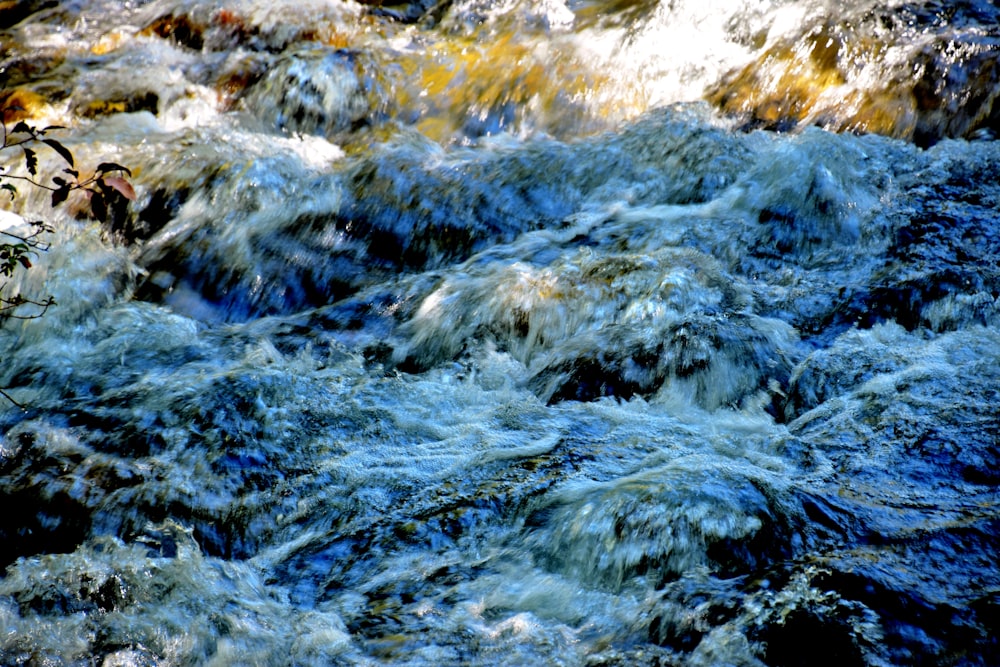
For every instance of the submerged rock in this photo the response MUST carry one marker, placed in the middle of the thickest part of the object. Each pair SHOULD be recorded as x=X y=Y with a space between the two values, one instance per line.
x=323 y=92
x=910 y=483
x=587 y=327
x=200 y=29
x=668 y=521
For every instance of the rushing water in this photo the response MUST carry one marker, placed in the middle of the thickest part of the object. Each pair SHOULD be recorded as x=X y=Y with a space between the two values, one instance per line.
x=483 y=332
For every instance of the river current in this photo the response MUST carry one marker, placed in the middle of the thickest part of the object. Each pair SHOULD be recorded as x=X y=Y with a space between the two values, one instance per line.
x=496 y=332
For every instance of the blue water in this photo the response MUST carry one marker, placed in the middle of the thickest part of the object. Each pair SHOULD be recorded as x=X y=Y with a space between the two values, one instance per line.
x=495 y=334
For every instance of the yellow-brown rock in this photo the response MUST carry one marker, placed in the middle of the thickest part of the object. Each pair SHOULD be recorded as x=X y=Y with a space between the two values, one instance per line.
x=488 y=83
x=870 y=76
x=21 y=104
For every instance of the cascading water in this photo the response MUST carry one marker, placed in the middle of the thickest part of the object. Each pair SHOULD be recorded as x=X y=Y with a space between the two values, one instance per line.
x=507 y=333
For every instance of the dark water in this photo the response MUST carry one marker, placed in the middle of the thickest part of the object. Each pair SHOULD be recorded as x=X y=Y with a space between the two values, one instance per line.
x=508 y=333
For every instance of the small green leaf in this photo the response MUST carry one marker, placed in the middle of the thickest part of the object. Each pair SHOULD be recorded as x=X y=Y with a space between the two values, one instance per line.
x=22 y=127
x=59 y=148
x=10 y=188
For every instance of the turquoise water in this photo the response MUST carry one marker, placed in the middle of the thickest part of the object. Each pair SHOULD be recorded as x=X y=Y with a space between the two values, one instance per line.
x=492 y=334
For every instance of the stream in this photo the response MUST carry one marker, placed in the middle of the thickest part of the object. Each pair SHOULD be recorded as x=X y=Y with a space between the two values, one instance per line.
x=506 y=332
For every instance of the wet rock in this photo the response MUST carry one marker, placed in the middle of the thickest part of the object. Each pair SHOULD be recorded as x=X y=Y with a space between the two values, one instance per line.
x=406 y=205
x=21 y=104
x=23 y=69
x=939 y=268
x=909 y=484
x=867 y=73
x=406 y=12
x=496 y=82
x=661 y=524
x=44 y=476
x=614 y=12
x=621 y=325
x=941 y=610
x=237 y=76
x=946 y=257
x=206 y=27
x=931 y=439
x=714 y=361
x=690 y=607
x=13 y=12
x=420 y=217
x=307 y=263
x=131 y=102
x=404 y=208
x=840 y=255
x=225 y=287
x=815 y=200
x=323 y=92
x=180 y=29
x=830 y=642
x=853 y=360
x=163 y=206
x=944 y=282
x=220 y=30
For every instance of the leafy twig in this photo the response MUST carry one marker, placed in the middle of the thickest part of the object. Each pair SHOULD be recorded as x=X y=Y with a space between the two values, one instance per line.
x=107 y=186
